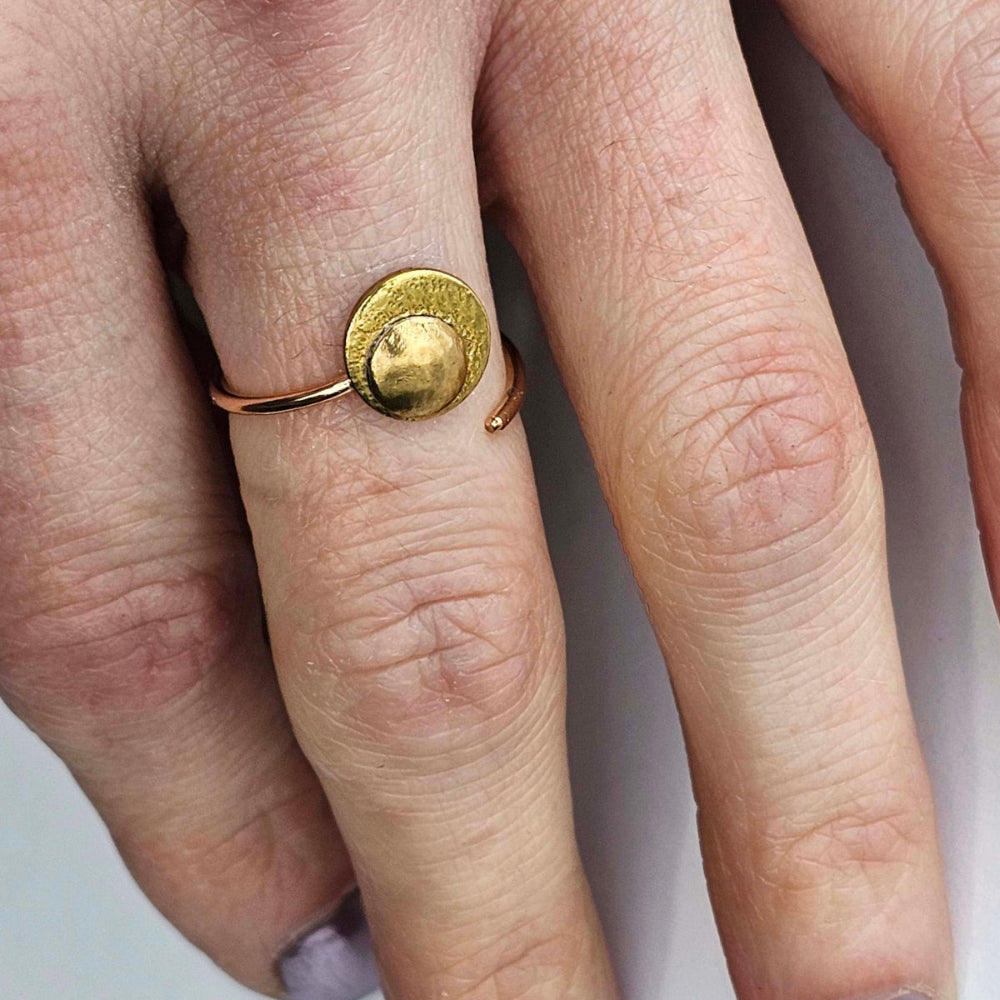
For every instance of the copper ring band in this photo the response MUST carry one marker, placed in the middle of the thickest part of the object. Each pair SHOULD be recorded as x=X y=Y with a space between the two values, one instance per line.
x=497 y=421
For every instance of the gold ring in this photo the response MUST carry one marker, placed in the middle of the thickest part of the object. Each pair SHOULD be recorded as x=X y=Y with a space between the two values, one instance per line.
x=417 y=344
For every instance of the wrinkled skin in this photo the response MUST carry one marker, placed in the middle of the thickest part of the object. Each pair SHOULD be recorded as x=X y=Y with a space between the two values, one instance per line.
x=400 y=725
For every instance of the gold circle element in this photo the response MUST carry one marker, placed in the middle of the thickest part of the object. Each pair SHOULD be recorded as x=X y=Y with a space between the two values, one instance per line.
x=417 y=366
x=414 y=319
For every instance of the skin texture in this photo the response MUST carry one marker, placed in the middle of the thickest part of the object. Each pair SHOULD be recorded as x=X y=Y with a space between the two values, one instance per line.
x=398 y=725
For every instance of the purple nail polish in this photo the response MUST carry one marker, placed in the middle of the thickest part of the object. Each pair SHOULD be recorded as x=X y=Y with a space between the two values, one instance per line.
x=908 y=995
x=333 y=962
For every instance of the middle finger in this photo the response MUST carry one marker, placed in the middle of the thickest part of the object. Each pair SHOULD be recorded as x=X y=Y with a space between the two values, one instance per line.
x=702 y=356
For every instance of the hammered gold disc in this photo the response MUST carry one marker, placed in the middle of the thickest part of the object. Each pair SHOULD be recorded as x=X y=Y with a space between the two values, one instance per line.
x=417 y=344
x=417 y=366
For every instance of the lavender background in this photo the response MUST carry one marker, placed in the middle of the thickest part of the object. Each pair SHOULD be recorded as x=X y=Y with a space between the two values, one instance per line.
x=72 y=924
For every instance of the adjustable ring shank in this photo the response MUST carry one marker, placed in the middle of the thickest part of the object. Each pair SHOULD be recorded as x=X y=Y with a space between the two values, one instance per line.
x=507 y=410
x=227 y=400
x=224 y=398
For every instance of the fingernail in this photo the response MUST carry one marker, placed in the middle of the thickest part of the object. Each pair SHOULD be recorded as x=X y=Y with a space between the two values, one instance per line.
x=908 y=995
x=335 y=961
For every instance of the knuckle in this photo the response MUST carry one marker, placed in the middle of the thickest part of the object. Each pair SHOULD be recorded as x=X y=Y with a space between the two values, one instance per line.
x=872 y=840
x=123 y=642
x=254 y=847
x=965 y=88
x=515 y=968
x=54 y=199
x=761 y=439
x=268 y=852
x=440 y=643
x=287 y=32
x=35 y=167
x=626 y=74
x=429 y=610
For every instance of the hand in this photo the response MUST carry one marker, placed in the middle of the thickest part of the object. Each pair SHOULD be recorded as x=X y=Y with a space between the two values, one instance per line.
x=415 y=747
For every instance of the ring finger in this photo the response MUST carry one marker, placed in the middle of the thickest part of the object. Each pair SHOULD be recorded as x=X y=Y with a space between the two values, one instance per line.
x=411 y=607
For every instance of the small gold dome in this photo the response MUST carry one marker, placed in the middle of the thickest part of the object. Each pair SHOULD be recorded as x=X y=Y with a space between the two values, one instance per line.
x=417 y=366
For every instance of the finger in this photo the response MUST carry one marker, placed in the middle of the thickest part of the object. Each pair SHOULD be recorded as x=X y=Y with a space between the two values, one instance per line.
x=924 y=81
x=130 y=635
x=698 y=346
x=410 y=602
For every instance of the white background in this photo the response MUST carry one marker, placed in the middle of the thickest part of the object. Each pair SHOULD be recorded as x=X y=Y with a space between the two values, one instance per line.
x=74 y=927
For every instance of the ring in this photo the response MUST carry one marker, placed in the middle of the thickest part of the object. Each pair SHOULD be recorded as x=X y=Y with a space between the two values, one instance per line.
x=417 y=344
